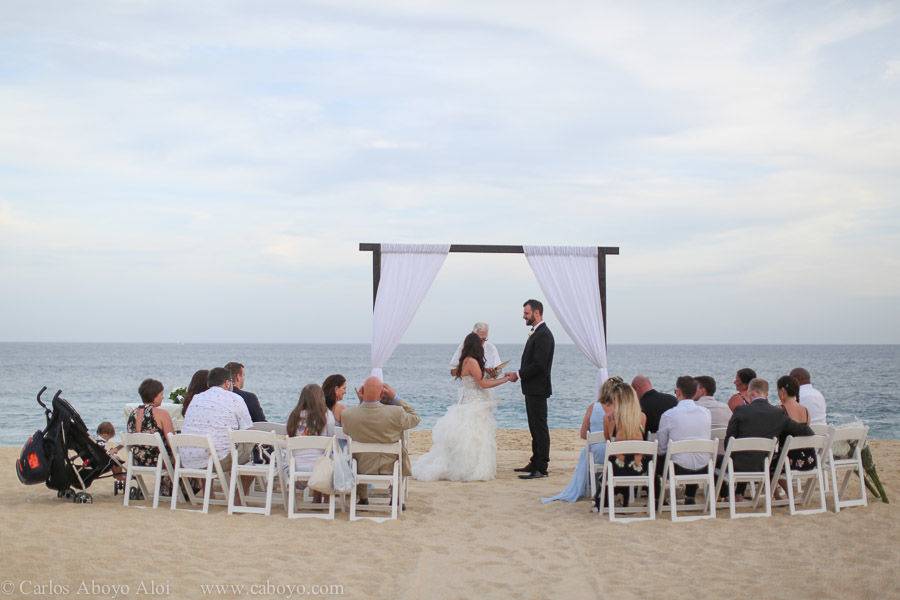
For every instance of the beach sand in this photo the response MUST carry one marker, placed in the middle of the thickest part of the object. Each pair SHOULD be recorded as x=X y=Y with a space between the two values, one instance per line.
x=456 y=540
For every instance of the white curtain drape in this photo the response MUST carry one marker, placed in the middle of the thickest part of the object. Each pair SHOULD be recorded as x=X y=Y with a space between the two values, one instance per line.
x=407 y=272
x=570 y=282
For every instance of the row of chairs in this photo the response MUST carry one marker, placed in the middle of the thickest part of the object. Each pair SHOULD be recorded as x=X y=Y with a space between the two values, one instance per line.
x=837 y=449
x=279 y=472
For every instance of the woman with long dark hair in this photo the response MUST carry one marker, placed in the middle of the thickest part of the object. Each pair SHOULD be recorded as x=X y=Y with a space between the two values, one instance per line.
x=463 y=445
x=310 y=417
x=334 y=387
x=197 y=385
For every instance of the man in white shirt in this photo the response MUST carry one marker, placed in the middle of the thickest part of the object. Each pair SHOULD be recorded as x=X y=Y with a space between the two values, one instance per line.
x=216 y=412
x=719 y=411
x=491 y=356
x=687 y=421
x=810 y=397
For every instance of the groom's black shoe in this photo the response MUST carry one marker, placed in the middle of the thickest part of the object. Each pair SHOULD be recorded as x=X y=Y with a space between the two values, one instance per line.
x=526 y=469
x=533 y=475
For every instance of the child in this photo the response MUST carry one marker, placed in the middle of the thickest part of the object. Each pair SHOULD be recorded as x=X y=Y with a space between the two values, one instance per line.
x=105 y=434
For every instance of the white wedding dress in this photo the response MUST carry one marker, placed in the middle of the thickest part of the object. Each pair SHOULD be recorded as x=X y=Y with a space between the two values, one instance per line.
x=463 y=447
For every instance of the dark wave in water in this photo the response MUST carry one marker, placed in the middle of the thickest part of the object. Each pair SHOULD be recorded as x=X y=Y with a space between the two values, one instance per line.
x=858 y=381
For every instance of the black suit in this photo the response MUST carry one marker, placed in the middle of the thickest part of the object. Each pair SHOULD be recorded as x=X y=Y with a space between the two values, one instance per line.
x=253 y=407
x=534 y=375
x=654 y=404
x=760 y=419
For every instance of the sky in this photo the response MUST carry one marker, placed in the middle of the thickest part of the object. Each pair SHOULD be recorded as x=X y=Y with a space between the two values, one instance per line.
x=204 y=171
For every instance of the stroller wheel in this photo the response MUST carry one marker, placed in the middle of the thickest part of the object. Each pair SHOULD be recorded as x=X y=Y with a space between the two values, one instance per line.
x=83 y=498
x=68 y=494
x=135 y=494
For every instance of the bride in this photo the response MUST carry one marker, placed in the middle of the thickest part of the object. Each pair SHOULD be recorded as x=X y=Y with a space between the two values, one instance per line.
x=463 y=446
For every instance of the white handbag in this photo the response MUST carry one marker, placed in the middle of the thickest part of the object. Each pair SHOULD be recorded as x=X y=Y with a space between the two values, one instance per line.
x=322 y=476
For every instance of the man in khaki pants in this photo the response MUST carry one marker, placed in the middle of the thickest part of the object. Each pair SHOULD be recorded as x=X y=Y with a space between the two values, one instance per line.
x=380 y=418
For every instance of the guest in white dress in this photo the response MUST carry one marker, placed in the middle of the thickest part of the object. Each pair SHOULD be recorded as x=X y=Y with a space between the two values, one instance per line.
x=310 y=417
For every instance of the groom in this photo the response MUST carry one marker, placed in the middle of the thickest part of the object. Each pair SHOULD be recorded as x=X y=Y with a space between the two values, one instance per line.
x=534 y=371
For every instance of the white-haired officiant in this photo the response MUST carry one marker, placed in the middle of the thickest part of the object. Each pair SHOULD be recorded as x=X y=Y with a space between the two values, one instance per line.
x=491 y=356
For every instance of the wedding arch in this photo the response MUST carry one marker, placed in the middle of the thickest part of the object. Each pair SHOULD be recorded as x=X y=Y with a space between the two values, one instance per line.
x=572 y=278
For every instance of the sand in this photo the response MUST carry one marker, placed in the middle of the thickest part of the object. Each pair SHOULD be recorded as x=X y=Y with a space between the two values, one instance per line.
x=456 y=540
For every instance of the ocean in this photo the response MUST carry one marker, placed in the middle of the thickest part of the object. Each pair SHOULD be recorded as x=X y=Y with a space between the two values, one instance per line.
x=858 y=381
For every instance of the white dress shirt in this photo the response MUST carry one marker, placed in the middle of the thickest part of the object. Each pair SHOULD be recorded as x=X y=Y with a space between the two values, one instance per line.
x=687 y=421
x=814 y=402
x=214 y=412
x=491 y=356
x=719 y=411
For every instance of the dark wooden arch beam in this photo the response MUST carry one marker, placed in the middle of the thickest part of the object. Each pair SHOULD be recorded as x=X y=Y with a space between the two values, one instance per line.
x=602 y=252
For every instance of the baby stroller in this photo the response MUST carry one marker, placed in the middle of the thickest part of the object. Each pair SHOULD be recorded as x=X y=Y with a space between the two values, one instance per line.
x=63 y=455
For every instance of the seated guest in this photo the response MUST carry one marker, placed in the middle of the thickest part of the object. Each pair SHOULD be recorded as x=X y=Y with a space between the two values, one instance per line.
x=719 y=411
x=788 y=392
x=216 y=412
x=653 y=403
x=150 y=418
x=253 y=407
x=310 y=417
x=197 y=385
x=687 y=421
x=105 y=434
x=592 y=423
x=334 y=387
x=810 y=397
x=760 y=419
x=741 y=380
x=625 y=422
x=380 y=418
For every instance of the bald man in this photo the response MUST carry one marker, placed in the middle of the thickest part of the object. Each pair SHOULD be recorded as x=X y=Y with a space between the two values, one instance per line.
x=810 y=397
x=380 y=418
x=653 y=403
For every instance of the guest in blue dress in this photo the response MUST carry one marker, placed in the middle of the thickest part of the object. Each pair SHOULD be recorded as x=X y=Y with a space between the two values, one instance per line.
x=580 y=486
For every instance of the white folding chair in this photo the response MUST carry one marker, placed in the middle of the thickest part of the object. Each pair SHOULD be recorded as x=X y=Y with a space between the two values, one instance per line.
x=727 y=472
x=163 y=466
x=404 y=479
x=276 y=428
x=267 y=471
x=305 y=442
x=597 y=437
x=816 y=443
x=821 y=429
x=855 y=436
x=719 y=434
x=670 y=480
x=211 y=474
x=610 y=480
x=394 y=479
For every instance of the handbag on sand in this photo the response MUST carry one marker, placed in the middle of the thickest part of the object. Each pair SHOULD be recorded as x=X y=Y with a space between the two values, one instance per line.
x=322 y=476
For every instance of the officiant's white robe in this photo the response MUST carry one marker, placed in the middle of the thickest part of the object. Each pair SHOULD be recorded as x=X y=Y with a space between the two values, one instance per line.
x=491 y=356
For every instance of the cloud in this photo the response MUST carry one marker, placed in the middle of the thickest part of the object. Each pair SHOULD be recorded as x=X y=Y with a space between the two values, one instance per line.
x=892 y=70
x=723 y=147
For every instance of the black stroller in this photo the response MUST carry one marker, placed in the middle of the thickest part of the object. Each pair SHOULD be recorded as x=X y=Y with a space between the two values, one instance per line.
x=63 y=455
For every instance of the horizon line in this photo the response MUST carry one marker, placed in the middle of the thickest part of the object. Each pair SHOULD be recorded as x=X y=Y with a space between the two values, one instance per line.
x=206 y=343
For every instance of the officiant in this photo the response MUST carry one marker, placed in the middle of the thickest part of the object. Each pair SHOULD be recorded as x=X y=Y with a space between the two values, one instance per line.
x=491 y=356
